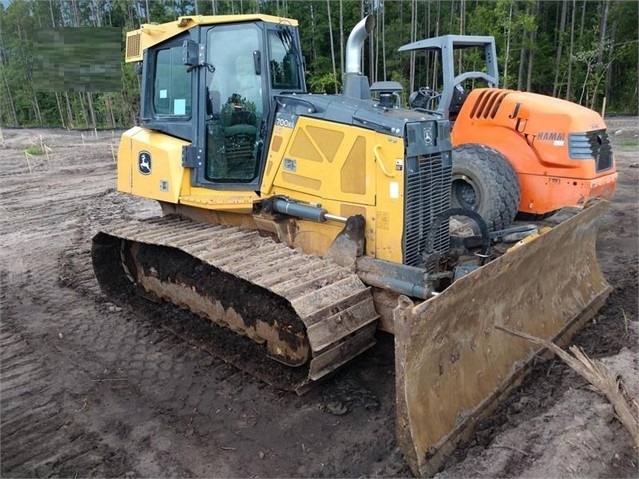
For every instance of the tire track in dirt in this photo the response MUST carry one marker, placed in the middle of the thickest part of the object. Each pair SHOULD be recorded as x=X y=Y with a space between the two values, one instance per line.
x=38 y=433
x=41 y=432
x=38 y=436
x=148 y=402
x=96 y=342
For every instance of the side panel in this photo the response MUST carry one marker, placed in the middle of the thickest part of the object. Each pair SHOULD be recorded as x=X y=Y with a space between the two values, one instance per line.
x=390 y=173
x=346 y=170
x=550 y=193
x=327 y=159
x=125 y=161
x=150 y=165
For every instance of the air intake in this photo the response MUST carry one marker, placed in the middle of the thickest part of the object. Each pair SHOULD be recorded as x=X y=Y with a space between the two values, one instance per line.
x=133 y=52
x=488 y=103
x=592 y=145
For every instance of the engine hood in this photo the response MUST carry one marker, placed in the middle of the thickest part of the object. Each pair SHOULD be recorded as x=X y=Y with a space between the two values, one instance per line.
x=542 y=116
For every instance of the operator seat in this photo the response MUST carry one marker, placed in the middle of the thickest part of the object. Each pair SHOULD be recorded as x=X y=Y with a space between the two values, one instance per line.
x=456 y=103
x=232 y=140
x=425 y=99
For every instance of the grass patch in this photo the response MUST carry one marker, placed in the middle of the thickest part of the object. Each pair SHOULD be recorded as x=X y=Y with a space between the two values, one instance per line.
x=35 y=150
x=629 y=142
x=625 y=319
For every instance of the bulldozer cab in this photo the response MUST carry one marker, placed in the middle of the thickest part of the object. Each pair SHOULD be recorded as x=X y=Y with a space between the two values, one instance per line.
x=214 y=85
x=445 y=87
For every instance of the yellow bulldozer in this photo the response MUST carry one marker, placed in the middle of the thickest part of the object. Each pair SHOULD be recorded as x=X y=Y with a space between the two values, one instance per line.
x=308 y=222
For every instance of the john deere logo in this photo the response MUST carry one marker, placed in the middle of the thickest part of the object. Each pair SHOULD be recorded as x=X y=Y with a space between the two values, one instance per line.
x=144 y=162
x=428 y=137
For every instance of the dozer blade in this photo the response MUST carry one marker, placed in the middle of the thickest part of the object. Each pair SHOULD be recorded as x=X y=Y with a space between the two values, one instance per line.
x=453 y=365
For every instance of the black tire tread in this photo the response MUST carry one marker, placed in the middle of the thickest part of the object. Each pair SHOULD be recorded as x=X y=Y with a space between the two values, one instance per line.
x=500 y=209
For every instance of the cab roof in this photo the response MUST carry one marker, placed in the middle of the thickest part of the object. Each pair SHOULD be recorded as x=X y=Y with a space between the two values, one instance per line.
x=150 y=34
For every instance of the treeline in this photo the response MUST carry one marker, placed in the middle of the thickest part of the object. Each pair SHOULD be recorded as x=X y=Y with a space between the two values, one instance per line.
x=580 y=50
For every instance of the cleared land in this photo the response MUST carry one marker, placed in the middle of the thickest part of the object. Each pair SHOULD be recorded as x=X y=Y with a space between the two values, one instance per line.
x=89 y=389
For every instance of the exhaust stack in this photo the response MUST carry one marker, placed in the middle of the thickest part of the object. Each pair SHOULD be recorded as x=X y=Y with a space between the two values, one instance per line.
x=355 y=83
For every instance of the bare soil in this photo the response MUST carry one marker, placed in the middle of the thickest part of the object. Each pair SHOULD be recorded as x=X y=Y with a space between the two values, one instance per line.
x=90 y=389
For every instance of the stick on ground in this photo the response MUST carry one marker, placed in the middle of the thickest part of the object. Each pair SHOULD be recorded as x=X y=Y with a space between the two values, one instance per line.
x=603 y=381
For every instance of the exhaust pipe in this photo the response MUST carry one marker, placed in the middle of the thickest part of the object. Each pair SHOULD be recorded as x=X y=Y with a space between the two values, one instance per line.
x=355 y=84
x=355 y=41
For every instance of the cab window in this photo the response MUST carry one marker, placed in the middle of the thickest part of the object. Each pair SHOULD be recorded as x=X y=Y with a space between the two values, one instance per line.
x=172 y=84
x=284 y=65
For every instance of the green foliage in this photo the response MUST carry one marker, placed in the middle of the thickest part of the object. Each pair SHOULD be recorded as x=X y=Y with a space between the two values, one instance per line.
x=324 y=84
x=629 y=143
x=35 y=150
x=596 y=62
x=590 y=67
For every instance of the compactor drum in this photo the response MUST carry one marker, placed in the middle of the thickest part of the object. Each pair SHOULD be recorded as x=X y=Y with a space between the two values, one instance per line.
x=307 y=222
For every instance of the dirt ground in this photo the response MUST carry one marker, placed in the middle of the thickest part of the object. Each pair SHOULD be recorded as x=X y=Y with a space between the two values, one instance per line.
x=89 y=389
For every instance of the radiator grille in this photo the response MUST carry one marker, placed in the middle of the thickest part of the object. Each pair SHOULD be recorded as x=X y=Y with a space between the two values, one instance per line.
x=594 y=144
x=427 y=193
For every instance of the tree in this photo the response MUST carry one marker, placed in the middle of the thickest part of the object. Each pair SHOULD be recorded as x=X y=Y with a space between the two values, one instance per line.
x=581 y=50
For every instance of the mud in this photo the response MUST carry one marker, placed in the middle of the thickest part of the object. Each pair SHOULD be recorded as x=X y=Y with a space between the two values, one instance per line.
x=92 y=389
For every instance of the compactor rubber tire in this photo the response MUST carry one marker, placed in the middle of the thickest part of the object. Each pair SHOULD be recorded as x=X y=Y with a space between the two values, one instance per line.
x=485 y=182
